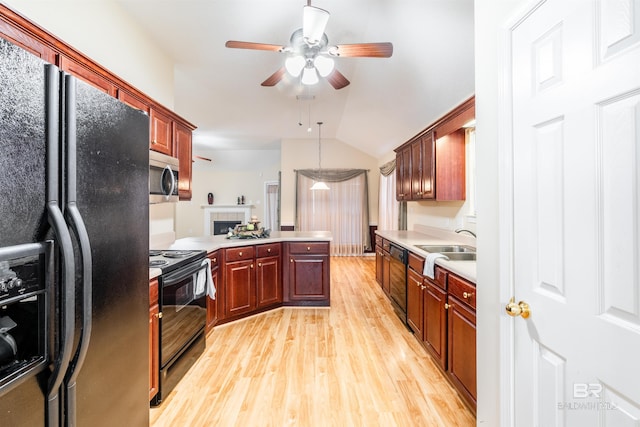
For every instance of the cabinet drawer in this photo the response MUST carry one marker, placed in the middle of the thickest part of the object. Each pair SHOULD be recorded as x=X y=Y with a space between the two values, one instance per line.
x=385 y=245
x=440 y=278
x=270 y=249
x=416 y=263
x=378 y=240
x=309 y=248
x=238 y=254
x=463 y=290
x=213 y=256
x=153 y=292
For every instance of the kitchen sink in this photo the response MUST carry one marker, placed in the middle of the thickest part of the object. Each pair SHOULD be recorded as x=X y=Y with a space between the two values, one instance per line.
x=448 y=248
x=460 y=256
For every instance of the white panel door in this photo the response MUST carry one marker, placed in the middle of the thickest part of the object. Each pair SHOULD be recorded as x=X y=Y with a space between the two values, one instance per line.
x=574 y=158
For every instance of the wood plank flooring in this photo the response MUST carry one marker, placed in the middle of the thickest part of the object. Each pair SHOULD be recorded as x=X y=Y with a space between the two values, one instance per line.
x=353 y=364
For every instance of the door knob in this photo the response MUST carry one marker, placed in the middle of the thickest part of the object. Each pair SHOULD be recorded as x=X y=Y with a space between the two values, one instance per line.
x=519 y=309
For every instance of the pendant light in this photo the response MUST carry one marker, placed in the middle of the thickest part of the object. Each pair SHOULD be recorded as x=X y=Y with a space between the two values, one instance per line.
x=319 y=184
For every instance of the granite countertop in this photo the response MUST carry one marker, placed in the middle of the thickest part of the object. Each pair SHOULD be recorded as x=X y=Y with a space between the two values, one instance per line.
x=409 y=240
x=212 y=243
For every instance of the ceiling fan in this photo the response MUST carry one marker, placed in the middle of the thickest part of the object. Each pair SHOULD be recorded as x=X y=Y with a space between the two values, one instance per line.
x=309 y=53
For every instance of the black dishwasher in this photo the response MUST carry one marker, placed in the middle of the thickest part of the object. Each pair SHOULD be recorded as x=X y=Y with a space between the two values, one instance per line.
x=398 y=279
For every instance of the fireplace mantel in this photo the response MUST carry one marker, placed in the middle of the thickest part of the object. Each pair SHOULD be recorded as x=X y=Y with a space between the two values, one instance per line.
x=213 y=211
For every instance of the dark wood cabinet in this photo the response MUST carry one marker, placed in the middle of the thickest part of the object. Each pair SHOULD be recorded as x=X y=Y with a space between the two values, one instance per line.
x=87 y=75
x=133 y=101
x=308 y=273
x=462 y=349
x=239 y=281
x=161 y=132
x=435 y=322
x=415 y=302
x=431 y=165
x=182 y=148
x=269 y=274
x=212 y=304
x=154 y=338
x=379 y=264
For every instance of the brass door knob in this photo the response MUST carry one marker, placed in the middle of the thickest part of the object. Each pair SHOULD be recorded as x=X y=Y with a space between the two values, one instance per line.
x=519 y=309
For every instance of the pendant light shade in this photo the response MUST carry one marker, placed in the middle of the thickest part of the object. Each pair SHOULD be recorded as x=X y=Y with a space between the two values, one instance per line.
x=319 y=184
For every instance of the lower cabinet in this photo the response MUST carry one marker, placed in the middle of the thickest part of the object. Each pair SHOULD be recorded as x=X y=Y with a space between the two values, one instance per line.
x=308 y=273
x=441 y=313
x=154 y=338
x=269 y=275
x=239 y=281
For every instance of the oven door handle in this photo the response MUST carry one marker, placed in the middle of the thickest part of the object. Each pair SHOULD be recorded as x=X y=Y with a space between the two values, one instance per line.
x=175 y=276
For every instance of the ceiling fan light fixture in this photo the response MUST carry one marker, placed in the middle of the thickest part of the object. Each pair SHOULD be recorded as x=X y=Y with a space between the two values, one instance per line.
x=324 y=65
x=314 y=21
x=294 y=65
x=309 y=76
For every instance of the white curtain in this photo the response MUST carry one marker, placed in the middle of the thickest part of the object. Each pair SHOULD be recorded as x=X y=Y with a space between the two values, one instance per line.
x=388 y=206
x=271 y=190
x=340 y=210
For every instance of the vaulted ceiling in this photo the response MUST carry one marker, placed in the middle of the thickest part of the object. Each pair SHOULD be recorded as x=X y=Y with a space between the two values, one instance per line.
x=388 y=100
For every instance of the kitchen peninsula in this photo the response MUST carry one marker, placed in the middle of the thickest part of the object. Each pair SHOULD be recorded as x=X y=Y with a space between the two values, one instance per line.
x=288 y=268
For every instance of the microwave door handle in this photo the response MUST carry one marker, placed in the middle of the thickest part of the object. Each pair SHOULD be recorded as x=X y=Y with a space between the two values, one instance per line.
x=66 y=321
x=173 y=182
x=76 y=222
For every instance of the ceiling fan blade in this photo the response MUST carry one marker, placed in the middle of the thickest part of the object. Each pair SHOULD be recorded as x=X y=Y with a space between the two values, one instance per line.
x=201 y=158
x=275 y=78
x=255 y=46
x=371 y=50
x=337 y=79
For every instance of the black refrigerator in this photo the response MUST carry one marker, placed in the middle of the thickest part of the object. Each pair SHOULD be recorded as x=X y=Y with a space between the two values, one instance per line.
x=74 y=242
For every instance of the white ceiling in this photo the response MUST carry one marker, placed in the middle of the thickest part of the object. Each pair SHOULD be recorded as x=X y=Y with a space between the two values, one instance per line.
x=389 y=99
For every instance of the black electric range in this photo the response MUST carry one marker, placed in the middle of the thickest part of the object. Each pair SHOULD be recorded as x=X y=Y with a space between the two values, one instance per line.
x=170 y=260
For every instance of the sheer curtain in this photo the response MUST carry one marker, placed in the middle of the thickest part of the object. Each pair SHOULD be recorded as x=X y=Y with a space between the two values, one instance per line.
x=391 y=213
x=343 y=209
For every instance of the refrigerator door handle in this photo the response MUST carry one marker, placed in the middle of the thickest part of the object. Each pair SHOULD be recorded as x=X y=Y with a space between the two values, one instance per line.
x=76 y=222
x=63 y=236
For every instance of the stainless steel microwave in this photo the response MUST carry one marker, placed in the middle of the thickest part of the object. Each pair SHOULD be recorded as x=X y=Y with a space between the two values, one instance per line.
x=163 y=178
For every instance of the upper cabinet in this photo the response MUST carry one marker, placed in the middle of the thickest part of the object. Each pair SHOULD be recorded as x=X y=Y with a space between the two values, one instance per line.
x=431 y=165
x=168 y=133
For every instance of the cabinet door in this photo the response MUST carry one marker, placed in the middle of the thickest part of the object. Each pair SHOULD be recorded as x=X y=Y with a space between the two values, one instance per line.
x=428 y=166
x=154 y=348
x=132 y=101
x=462 y=349
x=386 y=272
x=20 y=38
x=240 y=288
x=85 y=74
x=415 y=302
x=268 y=281
x=435 y=323
x=403 y=174
x=182 y=150
x=309 y=278
x=450 y=167
x=161 y=132
x=379 y=259
x=416 y=170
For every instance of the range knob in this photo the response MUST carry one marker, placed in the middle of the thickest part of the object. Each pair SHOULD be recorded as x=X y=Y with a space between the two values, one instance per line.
x=3 y=286
x=16 y=282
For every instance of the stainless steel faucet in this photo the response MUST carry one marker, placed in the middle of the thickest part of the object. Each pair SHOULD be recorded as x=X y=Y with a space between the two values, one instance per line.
x=460 y=230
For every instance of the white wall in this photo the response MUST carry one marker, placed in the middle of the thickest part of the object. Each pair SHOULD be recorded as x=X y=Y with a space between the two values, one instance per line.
x=230 y=174
x=303 y=154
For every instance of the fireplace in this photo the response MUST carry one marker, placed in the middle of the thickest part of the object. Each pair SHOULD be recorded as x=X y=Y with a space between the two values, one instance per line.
x=218 y=218
x=222 y=227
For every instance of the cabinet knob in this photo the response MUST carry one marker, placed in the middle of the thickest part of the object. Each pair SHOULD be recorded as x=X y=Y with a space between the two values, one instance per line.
x=215 y=260
x=308 y=248
x=423 y=287
x=154 y=142
x=467 y=294
x=251 y=265
x=159 y=315
x=259 y=264
x=240 y=253
x=291 y=260
x=446 y=306
x=268 y=250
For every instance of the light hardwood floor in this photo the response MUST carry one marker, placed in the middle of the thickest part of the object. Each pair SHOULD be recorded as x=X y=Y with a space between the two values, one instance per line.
x=354 y=364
